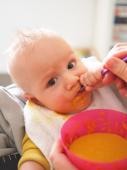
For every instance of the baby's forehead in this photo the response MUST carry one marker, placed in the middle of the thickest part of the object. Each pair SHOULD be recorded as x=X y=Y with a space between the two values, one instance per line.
x=46 y=49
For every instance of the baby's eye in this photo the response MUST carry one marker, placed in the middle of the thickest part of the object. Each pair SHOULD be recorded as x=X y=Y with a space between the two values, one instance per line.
x=52 y=82
x=71 y=64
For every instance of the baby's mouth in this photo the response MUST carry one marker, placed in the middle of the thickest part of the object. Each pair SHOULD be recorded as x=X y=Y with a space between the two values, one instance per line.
x=79 y=99
x=82 y=88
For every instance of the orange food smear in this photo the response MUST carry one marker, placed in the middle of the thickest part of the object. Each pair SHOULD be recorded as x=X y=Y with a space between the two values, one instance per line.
x=100 y=147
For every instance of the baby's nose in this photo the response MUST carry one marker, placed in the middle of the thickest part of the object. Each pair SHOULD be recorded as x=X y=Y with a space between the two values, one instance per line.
x=71 y=81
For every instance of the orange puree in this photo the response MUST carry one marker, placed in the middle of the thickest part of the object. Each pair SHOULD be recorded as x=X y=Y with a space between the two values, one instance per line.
x=101 y=147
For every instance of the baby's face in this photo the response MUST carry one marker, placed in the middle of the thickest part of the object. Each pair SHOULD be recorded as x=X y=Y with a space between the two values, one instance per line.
x=55 y=77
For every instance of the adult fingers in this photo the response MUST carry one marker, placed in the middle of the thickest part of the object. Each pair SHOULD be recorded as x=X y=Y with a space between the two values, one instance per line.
x=117 y=67
x=122 y=87
x=108 y=78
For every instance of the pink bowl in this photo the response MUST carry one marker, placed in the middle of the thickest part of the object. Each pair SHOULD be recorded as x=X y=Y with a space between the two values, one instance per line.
x=92 y=121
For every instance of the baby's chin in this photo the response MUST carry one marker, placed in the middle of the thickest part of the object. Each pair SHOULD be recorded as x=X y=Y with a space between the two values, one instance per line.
x=79 y=104
x=85 y=106
x=82 y=102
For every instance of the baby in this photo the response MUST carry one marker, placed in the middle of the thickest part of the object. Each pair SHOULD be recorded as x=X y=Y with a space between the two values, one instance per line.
x=51 y=76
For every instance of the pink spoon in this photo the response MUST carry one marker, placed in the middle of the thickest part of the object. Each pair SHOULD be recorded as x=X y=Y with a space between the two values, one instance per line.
x=105 y=71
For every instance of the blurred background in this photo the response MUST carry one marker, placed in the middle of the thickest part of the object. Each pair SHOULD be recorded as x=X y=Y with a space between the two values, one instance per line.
x=91 y=26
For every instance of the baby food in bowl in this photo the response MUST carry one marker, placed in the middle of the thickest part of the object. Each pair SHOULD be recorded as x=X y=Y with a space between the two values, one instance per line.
x=96 y=140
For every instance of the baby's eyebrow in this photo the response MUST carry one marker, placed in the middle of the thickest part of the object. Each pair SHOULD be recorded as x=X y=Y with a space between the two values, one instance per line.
x=46 y=76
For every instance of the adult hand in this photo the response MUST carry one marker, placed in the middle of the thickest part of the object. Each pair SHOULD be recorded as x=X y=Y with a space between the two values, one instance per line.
x=59 y=159
x=117 y=67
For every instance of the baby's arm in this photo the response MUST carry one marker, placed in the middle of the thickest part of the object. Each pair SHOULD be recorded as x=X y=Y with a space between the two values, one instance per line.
x=31 y=165
x=59 y=159
x=92 y=78
x=32 y=158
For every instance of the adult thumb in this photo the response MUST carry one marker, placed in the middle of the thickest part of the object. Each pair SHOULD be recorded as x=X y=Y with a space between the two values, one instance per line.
x=117 y=67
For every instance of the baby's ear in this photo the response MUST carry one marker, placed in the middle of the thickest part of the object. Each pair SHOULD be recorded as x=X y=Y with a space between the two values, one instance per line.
x=27 y=96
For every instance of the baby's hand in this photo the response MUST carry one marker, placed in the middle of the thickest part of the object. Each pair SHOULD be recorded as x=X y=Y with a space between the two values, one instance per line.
x=92 y=79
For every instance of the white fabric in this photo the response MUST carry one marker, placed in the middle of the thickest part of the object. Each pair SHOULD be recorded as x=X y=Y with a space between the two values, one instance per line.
x=43 y=125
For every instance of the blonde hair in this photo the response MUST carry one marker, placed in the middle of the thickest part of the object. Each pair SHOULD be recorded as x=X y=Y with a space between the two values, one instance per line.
x=23 y=40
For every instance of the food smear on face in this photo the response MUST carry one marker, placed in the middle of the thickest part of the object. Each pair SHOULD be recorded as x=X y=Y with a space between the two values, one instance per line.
x=100 y=147
x=83 y=99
